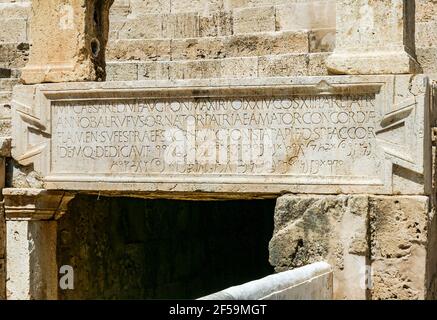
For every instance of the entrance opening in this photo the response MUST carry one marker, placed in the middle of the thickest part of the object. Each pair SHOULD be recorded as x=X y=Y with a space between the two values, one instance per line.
x=123 y=248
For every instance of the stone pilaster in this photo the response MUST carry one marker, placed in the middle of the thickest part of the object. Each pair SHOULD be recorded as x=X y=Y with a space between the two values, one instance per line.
x=68 y=41
x=31 y=229
x=374 y=37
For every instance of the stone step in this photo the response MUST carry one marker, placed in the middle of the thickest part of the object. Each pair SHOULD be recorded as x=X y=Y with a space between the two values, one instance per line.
x=241 y=67
x=209 y=47
x=5 y=97
x=427 y=57
x=188 y=19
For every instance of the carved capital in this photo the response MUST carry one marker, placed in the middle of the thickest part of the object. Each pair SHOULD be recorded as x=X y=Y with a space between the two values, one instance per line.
x=35 y=204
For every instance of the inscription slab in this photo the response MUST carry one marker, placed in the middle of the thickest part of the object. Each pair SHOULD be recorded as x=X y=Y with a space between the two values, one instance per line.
x=321 y=134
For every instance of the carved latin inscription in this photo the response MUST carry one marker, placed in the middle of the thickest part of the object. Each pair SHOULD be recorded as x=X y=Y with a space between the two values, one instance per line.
x=321 y=135
x=314 y=136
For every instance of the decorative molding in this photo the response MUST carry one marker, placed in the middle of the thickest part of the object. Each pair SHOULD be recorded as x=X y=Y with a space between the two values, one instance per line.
x=35 y=204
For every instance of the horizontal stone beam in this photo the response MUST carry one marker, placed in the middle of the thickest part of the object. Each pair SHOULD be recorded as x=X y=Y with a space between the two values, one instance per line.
x=35 y=204
x=265 y=137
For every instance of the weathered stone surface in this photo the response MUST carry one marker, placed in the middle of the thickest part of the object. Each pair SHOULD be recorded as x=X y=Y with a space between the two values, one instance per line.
x=427 y=58
x=374 y=37
x=54 y=56
x=315 y=228
x=382 y=247
x=249 y=20
x=299 y=15
x=207 y=39
x=323 y=124
x=32 y=269
x=399 y=238
x=35 y=204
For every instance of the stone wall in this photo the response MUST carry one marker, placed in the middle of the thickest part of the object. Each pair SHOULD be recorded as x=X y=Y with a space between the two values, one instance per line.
x=123 y=248
x=219 y=38
x=379 y=246
x=214 y=38
x=426 y=34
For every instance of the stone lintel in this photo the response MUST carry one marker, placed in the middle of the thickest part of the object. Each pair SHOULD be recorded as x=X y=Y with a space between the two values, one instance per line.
x=35 y=204
x=338 y=134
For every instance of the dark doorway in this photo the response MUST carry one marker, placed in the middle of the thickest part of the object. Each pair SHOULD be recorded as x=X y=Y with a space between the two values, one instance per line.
x=123 y=248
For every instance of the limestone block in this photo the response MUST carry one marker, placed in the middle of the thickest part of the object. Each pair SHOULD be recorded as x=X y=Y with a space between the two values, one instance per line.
x=311 y=282
x=135 y=49
x=427 y=58
x=239 y=46
x=16 y=10
x=267 y=44
x=35 y=204
x=321 y=40
x=332 y=228
x=68 y=41
x=196 y=5
x=32 y=271
x=119 y=10
x=153 y=70
x=14 y=55
x=374 y=37
x=426 y=10
x=399 y=258
x=203 y=69
x=118 y=71
x=245 y=67
x=257 y=3
x=426 y=34
x=216 y=24
x=306 y=15
x=149 y=6
x=317 y=64
x=198 y=48
x=251 y=20
x=283 y=65
x=2 y=242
